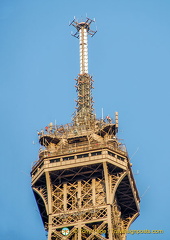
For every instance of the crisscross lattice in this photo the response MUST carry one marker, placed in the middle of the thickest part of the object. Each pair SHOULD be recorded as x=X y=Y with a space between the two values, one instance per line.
x=57 y=197
x=72 y=196
x=86 y=193
x=100 y=192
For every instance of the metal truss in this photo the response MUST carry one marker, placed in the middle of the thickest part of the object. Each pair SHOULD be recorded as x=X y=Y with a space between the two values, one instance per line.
x=90 y=200
x=84 y=114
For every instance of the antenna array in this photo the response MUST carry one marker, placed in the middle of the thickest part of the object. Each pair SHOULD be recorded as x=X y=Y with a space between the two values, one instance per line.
x=84 y=114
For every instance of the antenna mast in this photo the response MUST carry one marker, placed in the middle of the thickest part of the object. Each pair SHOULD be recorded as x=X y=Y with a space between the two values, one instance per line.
x=84 y=114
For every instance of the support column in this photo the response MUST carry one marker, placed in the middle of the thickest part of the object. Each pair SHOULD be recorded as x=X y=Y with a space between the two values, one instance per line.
x=110 y=227
x=94 y=191
x=79 y=194
x=49 y=194
x=106 y=176
x=108 y=192
x=65 y=196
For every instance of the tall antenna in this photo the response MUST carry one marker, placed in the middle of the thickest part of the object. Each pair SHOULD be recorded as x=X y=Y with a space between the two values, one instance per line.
x=84 y=114
x=83 y=30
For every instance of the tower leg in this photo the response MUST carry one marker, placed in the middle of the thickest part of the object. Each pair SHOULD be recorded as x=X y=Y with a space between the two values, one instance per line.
x=49 y=227
x=49 y=191
x=107 y=185
x=110 y=227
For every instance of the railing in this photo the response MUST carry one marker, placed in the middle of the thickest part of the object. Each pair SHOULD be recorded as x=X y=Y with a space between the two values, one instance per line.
x=70 y=150
x=69 y=129
x=75 y=148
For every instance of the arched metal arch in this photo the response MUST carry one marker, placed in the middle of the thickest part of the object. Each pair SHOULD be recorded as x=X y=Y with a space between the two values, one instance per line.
x=42 y=197
x=117 y=184
x=130 y=222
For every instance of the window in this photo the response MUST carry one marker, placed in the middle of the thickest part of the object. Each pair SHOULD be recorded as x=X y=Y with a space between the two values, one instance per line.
x=55 y=160
x=68 y=158
x=120 y=158
x=83 y=155
x=111 y=154
x=96 y=153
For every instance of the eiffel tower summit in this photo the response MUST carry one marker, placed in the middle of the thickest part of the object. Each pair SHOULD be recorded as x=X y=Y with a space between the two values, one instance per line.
x=82 y=181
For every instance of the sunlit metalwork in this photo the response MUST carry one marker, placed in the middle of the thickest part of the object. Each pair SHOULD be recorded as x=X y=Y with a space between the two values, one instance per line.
x=83 y=182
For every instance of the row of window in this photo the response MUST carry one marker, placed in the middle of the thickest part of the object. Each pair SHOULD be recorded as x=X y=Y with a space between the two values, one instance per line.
x=81 y=156
x=114 y=155
x=85 y=155
x=78 y=156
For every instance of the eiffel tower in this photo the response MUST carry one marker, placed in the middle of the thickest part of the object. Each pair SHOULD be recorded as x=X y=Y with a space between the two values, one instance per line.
x=83 y=182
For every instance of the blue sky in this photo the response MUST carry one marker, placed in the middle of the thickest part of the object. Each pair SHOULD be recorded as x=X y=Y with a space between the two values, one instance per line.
x=129 y=59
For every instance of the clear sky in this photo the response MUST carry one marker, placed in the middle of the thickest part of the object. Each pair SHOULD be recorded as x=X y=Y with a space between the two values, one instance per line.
x=129 y=59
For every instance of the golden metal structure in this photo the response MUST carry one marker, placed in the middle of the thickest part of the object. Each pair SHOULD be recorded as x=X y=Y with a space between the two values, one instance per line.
x=83 y=182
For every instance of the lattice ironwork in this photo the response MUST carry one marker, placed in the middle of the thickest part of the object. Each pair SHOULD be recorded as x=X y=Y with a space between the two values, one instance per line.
x=100 y=213
x=86 y=200
x=114 y=178
x=72 y=198
x=87 y=233
x=83 y=215
x=84 y=113
x=100 y=196
x=58 y=198
x=59 y=220
x=119 y=228
x=95 y=231
x=43 y=191
x=86 y=194
x=56 y=235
